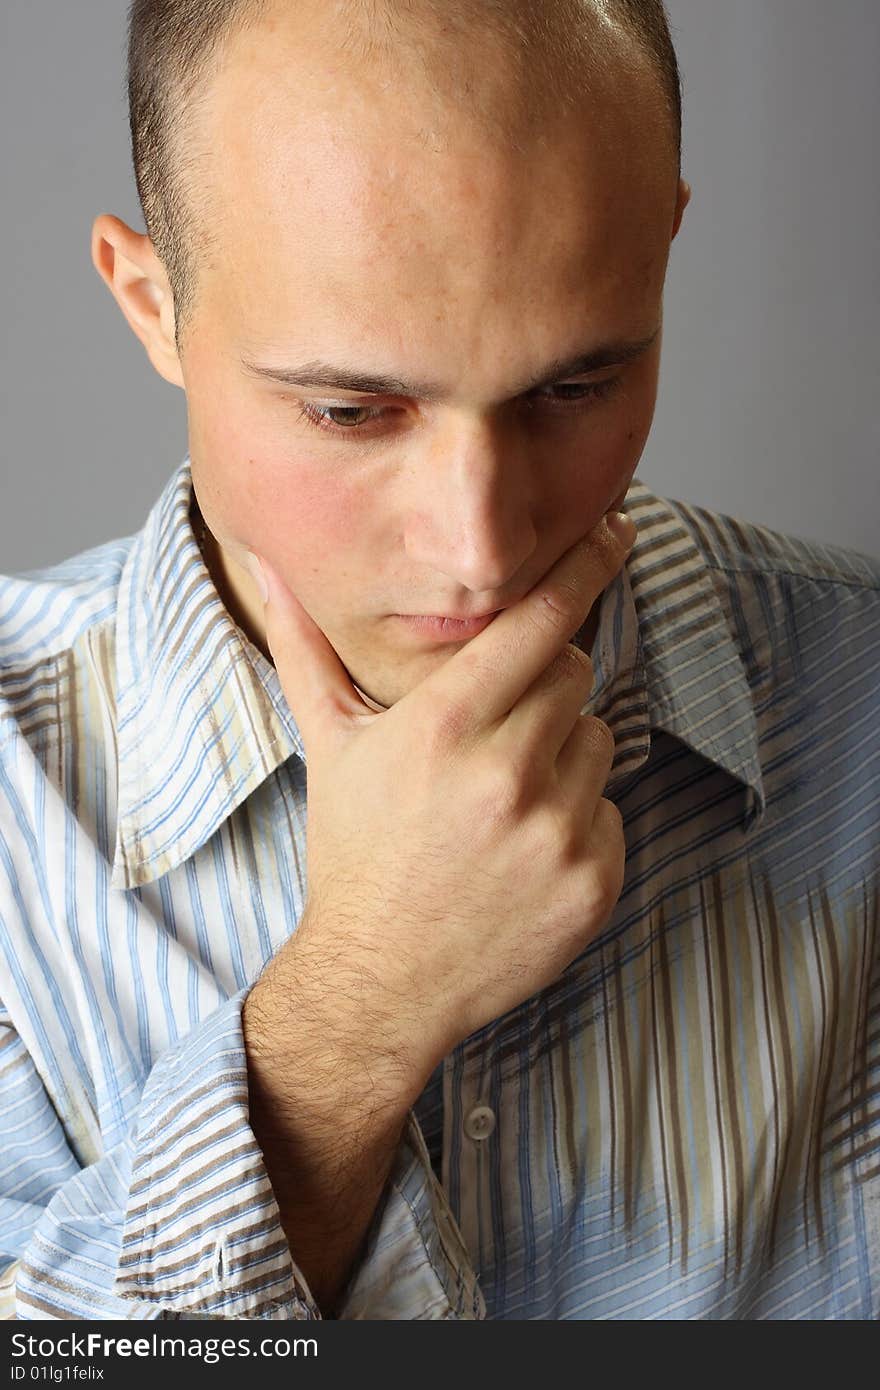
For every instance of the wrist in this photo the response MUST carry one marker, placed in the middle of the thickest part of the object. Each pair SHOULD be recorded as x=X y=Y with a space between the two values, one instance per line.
x=323 y=1039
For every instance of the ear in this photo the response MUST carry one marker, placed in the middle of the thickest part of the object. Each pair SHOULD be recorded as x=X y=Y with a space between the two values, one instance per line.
x=136 y=278
x=684 y=197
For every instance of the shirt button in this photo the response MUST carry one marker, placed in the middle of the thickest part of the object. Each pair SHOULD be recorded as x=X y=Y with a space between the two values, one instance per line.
x=480 y=1123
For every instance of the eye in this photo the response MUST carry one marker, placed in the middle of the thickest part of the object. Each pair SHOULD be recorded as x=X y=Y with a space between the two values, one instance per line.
x=356 y=419
x=587 y=391
x=321 y=416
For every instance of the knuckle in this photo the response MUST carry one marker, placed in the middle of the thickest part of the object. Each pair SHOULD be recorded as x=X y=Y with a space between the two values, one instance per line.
x=606 y=883
x=597 y=896
x=608 y=547
x=611 y=885
x=613 y=863
x=501 y=791
x=566 y=833
x=598 y=735
x=561 y=602
x=445 y=724
x=576 y=659
x=569 y=665
x=612 y=812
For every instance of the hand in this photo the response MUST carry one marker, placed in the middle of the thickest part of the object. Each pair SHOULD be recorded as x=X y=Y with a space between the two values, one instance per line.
x=460 y=852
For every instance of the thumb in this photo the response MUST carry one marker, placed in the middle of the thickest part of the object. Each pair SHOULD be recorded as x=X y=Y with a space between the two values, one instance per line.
x=316 y=685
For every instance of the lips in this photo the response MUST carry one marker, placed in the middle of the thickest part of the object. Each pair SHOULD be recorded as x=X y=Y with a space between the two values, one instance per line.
x=445 y=629
x=469 y=617
x=454 y=617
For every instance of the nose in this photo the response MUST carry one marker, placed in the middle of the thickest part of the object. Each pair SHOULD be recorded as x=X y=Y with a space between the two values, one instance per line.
x=471 y=516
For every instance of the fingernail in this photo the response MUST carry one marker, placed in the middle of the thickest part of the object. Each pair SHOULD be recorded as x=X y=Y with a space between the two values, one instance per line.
x=623 y=527
x=258 y=576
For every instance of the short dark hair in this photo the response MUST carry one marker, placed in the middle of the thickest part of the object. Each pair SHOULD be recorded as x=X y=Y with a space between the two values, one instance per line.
x=174 y=47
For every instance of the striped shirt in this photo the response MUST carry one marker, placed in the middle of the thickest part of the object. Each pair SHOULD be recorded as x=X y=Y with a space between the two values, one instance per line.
x=684 y=1125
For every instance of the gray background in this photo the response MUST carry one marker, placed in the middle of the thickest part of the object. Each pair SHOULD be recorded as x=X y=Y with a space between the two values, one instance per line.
x=769 y=380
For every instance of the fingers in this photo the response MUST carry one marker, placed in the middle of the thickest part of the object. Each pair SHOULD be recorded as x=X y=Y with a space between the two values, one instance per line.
x=584 y=763
x=485 y=679
x=540 y=723
x=315 y=682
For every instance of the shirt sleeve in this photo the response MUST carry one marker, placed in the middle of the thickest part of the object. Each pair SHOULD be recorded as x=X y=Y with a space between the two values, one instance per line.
x=180 y=1219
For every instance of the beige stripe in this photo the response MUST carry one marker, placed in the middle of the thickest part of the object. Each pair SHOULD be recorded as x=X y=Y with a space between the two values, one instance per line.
x=147 y=1139
x=868 y=1147
x=774 y=1194
x=259 y=736
x=549 y=1074
x=26 y=676
x=658 y=1075
x=830 y=1030
x=692 y=605
x=742 y=537
x=214 y=1298
x=611 y=1086
x=627 y=1127
x=568 y=1102
x=625 y=701
x=752 y=1084
x=30 y=1300
x=222 y=746
x=789 y=1106
x=261 y=1254
x=22 y=714
x=731 y=1091
x=674 y=1106
x=708 y=531
x=590 y=1069
x=78 y=751
x=680 y=592
x=173 y=1169
x=47 y=1282
x=845 y=1112
x=716 y=1082
x=205 y=1255
x=159 y=1196
x=170 y=650
x=262 y=1196
x=35 y=732
x=167 y=555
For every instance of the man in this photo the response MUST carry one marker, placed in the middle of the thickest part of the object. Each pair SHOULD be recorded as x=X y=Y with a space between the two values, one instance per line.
x=332 y=983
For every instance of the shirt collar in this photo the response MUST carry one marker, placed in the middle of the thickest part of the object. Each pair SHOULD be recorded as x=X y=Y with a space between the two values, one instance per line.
x=693 y=673
x=202 y=720
x=201 y=717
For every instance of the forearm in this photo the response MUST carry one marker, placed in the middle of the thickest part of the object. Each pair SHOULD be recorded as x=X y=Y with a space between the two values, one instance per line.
x=329 y=1098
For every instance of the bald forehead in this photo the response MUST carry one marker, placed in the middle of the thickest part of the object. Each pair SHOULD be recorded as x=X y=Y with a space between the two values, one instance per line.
x=304 y=105
x=506 y=65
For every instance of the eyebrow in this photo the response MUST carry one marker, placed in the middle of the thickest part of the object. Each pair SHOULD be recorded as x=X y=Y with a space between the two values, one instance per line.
x=342 y=378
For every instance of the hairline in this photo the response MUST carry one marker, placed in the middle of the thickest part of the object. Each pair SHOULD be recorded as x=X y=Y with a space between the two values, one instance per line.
x=600 y=43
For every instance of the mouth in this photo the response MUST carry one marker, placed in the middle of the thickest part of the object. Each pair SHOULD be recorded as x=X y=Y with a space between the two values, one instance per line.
x=443 y=629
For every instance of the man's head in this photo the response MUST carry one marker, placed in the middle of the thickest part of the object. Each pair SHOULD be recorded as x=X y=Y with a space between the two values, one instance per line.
x=461 y=195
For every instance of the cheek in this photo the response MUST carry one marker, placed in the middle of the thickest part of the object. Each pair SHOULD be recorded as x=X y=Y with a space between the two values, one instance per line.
x=260 y=494
x=605 y=464
x=629 y=427
x=298 y=513
x=600 y=469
